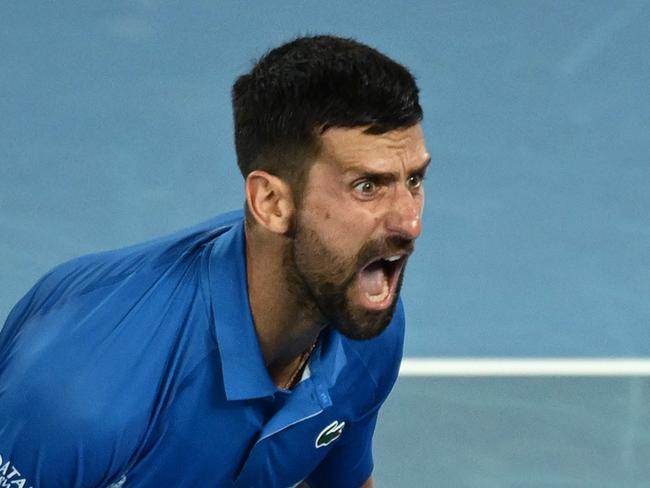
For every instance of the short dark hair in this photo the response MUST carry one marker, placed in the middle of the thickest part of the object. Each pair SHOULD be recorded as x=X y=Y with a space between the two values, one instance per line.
x=298 y=90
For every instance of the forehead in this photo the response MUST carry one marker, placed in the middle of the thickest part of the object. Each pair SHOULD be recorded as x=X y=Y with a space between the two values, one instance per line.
x=349 y=147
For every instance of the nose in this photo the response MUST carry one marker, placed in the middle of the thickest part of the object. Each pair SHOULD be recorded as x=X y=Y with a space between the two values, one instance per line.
x=404 y=218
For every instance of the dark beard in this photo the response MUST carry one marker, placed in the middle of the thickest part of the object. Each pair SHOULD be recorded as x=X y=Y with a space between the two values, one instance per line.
x=321 y=282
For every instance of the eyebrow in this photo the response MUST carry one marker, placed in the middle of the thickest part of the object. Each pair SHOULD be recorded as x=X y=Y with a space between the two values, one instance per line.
x=386 y=175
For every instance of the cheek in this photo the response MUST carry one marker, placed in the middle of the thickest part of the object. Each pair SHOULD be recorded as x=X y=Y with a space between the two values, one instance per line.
x=345 y=227
x=349 y=230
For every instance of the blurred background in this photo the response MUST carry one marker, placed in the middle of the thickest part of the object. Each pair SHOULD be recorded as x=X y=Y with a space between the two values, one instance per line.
x=115 y=127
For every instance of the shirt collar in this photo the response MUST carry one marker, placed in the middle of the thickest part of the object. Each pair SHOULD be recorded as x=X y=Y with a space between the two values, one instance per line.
x=244 y=373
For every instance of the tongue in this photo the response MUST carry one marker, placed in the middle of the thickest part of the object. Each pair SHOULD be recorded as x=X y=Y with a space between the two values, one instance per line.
x=372 y=280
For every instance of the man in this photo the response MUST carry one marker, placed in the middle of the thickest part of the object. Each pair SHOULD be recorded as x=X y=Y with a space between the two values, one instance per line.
x=252 y=350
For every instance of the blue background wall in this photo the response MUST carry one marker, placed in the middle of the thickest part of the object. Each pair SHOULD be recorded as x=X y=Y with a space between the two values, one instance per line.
x=115 y=127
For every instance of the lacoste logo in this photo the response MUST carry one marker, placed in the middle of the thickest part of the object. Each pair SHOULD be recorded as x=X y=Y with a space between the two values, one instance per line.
x=329 y=434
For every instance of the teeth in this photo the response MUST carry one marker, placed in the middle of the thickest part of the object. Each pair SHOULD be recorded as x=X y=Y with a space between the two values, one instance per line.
x=392 y=258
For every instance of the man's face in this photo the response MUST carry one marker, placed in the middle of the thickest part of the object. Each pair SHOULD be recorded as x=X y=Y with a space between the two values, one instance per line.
x=359 y=216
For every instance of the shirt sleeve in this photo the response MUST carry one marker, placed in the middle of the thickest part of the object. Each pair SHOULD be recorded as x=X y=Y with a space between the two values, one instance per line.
x=349 y=464
x=40 y=441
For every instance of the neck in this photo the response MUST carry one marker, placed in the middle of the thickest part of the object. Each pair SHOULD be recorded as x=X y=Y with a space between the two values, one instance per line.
x=286 y=324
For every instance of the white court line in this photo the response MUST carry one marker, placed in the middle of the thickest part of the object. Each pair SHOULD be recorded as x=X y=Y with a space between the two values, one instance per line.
x=419 y=367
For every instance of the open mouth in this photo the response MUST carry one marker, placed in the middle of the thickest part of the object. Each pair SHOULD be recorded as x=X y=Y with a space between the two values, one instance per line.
x=377 y=281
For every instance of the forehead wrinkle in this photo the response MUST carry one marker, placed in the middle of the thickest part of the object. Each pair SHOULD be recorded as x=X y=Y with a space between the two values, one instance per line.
x=387 y=166
x=375 y=153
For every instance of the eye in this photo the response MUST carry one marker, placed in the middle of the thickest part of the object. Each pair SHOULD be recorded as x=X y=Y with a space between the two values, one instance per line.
x=366 y=187
x=414 y=182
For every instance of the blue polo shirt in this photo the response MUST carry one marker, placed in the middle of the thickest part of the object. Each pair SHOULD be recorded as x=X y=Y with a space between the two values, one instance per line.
x=141 y=368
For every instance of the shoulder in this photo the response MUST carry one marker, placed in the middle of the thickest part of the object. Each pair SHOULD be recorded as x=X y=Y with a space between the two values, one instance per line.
x=104 y=270
x=127 y=298
x=133 y=307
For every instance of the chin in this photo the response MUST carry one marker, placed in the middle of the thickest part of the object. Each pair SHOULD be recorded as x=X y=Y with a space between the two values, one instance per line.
x=361 y=325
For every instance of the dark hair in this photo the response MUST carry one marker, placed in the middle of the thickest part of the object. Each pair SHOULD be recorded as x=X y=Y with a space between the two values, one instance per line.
x=300 y=89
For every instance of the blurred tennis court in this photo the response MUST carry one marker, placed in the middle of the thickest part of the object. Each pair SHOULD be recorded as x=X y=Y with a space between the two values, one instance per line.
x=116 y=128
x=590 y=432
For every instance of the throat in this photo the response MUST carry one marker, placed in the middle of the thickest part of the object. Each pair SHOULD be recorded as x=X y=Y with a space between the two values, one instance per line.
x=286 y=377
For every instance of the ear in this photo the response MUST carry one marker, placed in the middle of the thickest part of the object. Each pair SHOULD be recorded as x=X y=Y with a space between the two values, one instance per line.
x=270 y=201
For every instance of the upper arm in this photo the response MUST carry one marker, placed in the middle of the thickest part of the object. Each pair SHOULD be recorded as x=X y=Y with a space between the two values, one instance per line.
x=51 y=434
